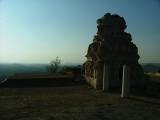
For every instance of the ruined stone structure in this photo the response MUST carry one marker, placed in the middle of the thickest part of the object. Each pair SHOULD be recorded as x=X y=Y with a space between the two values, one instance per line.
x=112 y=58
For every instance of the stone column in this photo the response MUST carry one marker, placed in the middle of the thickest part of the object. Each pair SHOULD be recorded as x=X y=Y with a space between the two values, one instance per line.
x=126 y=81
x=94 y=78
x=99 y=79
x=106 y=77
x=95 y=74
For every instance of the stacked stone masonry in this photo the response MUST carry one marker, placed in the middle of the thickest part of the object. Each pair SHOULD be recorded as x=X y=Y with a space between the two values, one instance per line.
x=111 y=49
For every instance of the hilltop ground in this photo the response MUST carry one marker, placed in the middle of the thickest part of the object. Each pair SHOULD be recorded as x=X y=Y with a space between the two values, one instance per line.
x=73 y=102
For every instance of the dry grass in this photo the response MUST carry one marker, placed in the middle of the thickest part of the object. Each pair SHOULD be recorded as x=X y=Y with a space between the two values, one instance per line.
x=155 y=76
x=73 y=103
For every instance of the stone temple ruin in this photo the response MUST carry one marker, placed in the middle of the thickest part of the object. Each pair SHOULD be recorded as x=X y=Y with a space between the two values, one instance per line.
x=112 y=58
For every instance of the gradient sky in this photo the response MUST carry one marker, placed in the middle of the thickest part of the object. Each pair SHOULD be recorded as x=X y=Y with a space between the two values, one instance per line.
x=36 y=31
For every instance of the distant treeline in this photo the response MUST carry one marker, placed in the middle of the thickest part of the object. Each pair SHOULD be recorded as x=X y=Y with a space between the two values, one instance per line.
x=151 y=67
x=10 y=69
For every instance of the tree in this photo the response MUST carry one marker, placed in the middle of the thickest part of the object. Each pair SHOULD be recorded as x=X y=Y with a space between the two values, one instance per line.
x=54 y=65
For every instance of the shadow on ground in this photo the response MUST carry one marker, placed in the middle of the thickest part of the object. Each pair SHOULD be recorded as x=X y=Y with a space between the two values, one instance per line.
x=31 y=83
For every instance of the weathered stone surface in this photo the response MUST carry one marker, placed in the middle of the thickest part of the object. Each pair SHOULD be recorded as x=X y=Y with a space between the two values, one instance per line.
x=114 y=47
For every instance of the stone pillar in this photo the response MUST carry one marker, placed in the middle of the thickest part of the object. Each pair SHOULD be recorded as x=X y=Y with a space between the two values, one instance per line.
x=106 y=77
x=94 y=78
x=95 y=74
x=126 y=81
x=99 y=78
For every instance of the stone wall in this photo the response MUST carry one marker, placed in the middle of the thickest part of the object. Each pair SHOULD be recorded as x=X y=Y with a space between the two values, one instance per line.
x=112 y=47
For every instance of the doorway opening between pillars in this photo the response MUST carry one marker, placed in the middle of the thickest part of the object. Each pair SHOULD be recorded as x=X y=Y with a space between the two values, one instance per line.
x=124 y=76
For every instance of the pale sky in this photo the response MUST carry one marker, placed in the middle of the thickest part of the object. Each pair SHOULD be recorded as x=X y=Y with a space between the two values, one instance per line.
x=36 y=31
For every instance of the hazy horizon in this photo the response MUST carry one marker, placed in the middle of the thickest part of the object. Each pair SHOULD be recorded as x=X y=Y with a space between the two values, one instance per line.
x=62 y=63
x=20 y=63
x=36 y=31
